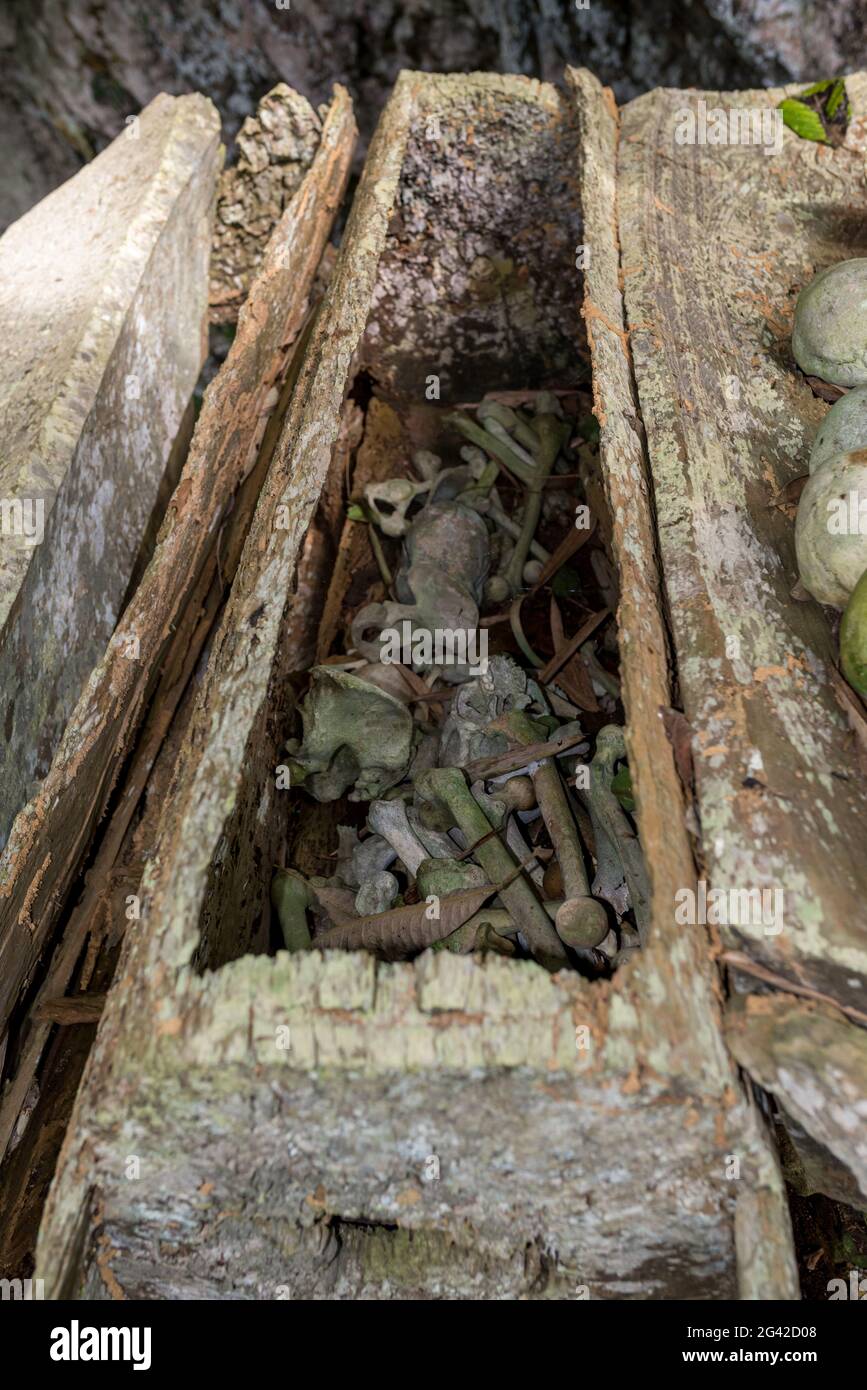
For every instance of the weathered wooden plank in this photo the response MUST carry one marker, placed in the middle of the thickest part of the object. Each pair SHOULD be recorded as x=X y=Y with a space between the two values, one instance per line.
x=762 y=1228
x=813 y=1061
x=717 y=240
x=644 y=660
x=52 y=833
x=103 y=316
x=340 y=1078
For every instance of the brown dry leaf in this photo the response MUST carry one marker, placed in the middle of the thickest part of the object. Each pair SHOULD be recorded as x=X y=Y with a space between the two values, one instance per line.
x=573 y=678
x=338 y=903
x=560 y=657
x=825 y=390
x=678 y=731
x=788 y=497
x=404 y=930
x=570 y=543
x=853 y=707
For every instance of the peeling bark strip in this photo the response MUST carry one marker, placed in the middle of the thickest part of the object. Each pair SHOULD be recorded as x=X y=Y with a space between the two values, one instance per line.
x=378 y=1067
x=103 y=310
x=717 y=242
x=645 y=674
x=275 y=150
x=161 y=616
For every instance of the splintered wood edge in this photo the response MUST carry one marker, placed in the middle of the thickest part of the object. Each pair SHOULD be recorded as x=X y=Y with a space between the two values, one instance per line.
x=763 y=1235
x=681 y=955
x=51 y=834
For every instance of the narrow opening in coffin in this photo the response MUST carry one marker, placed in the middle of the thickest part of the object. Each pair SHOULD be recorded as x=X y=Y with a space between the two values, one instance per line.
x=470 y=406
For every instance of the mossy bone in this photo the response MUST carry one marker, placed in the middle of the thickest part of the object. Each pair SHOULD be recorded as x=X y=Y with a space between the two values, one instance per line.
x=355 y=735
x=829 y=339
x=438 y=588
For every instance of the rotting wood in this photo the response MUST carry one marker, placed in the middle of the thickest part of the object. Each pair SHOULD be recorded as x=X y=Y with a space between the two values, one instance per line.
x=450 y=1045
x=382 y=452
x=51 y=834
x=717 y=241
x=276 y=146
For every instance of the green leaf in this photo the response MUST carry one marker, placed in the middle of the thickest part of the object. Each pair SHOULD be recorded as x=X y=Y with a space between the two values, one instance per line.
x=818 y=87
x=355 y=513
x=801 y=119
x=588 y=428
x=621 y=785
x=838 y=92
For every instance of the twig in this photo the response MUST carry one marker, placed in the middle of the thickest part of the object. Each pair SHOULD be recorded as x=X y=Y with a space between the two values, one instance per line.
x=485 y=768
x=562 y=656
x=770 y=977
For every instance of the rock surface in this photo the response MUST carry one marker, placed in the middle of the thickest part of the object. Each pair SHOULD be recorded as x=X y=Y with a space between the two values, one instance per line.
x=103 y=302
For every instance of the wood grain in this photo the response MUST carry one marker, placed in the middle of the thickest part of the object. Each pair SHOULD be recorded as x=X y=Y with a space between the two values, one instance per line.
x=717 y=241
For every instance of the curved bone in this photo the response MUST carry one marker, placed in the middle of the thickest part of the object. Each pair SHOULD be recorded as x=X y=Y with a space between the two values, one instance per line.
x=398 y=494
x=389 y=820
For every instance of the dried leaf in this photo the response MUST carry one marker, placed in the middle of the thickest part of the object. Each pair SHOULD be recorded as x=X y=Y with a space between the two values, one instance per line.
x=565 y=550
x=573 y=678
x=788 y=497
x=678 y=731
x=405 y=930
x=560 y=657
x=519 y=634
x=853 y=707
x=825 y=390
x=337 y=903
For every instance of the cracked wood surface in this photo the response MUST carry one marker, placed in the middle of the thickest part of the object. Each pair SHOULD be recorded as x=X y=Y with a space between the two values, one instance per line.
x=717 y=241
x=275 y=1098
